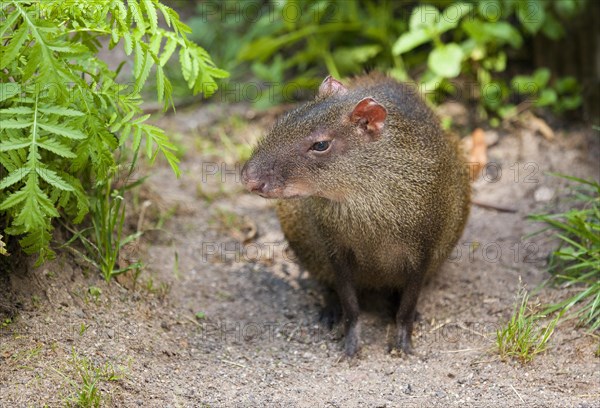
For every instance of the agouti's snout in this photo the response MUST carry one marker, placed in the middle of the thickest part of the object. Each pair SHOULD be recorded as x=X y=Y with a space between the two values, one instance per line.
x=251 y=181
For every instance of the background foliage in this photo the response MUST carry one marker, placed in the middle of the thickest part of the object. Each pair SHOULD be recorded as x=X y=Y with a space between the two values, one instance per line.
x=447 y=47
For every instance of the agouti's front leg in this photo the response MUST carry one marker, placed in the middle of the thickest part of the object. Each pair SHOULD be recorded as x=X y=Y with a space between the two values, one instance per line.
x=405 y=316
x=346 y=291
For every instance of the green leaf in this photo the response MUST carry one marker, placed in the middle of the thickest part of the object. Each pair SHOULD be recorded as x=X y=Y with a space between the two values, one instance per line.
x=8 y=22
x=11 y=51
x=452 y=15
x=14 y=199
x=36 y=207
x=525 y=85
x=59 y=110
x=56 y=147
x=531 y=14
x=186 y=64
x=349 y=59
x=567 y=8
x=160 y=83
x=14 y=177
x=446 y=60
x=52 y=178
x=423 y=16
x=541 y=77
x=500 y=32
x=151 y=13
x=570 y=102
x=14 y=144
x=8 y=90
x=491 y=10
x=14 y=124
x=547 y=97
x=409 y=41
x=127 y=42
x=168 y=50
x=17 y=110
x=145 y=71
x=552 y=28
x=62 y=131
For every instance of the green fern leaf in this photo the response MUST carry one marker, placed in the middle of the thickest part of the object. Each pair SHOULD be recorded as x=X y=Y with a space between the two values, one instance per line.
x=151 y=13
x=8 y=90
x=11 y=51
x=56 y=147
x=62 y=131
x=138 y=59
x=186 y=64
x=165 y=12
x=14 y=124
x=15 y=198
x=160 y=83
x=37 y=207
x=52 y=178
x=17 y=110
x=14 y=144
x=145 y=71
x=135 y=12
x=168 y=50
x=58 y=110
x=8 y=22
x=14 y=177
x=127 y=42
x=38 y=241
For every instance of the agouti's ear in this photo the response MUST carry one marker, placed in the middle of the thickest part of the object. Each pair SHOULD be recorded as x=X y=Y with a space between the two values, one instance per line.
x=369 y=115
x=331 y=86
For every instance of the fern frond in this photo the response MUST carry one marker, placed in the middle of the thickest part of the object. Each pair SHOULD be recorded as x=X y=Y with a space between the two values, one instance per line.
x=65 y=116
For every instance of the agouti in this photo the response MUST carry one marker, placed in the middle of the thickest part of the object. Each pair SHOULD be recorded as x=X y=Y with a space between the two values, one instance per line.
x=374 y=193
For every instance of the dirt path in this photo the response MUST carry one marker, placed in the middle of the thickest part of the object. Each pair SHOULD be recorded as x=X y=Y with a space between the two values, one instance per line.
x=256 y=342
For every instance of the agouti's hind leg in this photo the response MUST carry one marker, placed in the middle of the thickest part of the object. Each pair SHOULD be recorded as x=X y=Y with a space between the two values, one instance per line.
x=331 y=314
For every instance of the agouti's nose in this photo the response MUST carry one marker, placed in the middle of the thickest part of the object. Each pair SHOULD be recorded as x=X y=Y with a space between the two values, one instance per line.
x=252 y=183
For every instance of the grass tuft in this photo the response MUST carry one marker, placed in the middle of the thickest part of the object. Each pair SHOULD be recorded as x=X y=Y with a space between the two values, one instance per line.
x=523 y=337
x=575 y=264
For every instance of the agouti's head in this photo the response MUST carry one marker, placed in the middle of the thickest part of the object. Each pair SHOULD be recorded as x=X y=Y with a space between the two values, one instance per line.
x=310 y=150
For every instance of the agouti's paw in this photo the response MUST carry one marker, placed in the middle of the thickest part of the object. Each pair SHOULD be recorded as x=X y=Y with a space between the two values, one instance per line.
x=330 y=315
x=352 y=339
x=352 y=346
x=403 y=343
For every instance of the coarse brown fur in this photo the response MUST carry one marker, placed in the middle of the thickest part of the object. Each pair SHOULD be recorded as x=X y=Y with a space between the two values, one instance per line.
x=383 y=208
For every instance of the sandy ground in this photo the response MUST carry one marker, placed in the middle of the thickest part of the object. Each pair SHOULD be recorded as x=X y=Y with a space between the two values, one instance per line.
x=256 y=341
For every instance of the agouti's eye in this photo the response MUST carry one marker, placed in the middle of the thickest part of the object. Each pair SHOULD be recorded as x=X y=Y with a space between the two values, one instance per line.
x=320 y=146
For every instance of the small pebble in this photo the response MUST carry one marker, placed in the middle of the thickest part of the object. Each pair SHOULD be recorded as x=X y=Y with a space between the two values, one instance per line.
x=543 y=194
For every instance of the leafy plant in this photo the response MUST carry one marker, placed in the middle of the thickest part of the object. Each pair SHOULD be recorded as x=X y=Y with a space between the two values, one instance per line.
x=288 y=43
x=564 y=94
x=576 y=263
x=65 y=116
x=108 y=218
x=522 y=337
x=279 y=47
x=482 y=34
